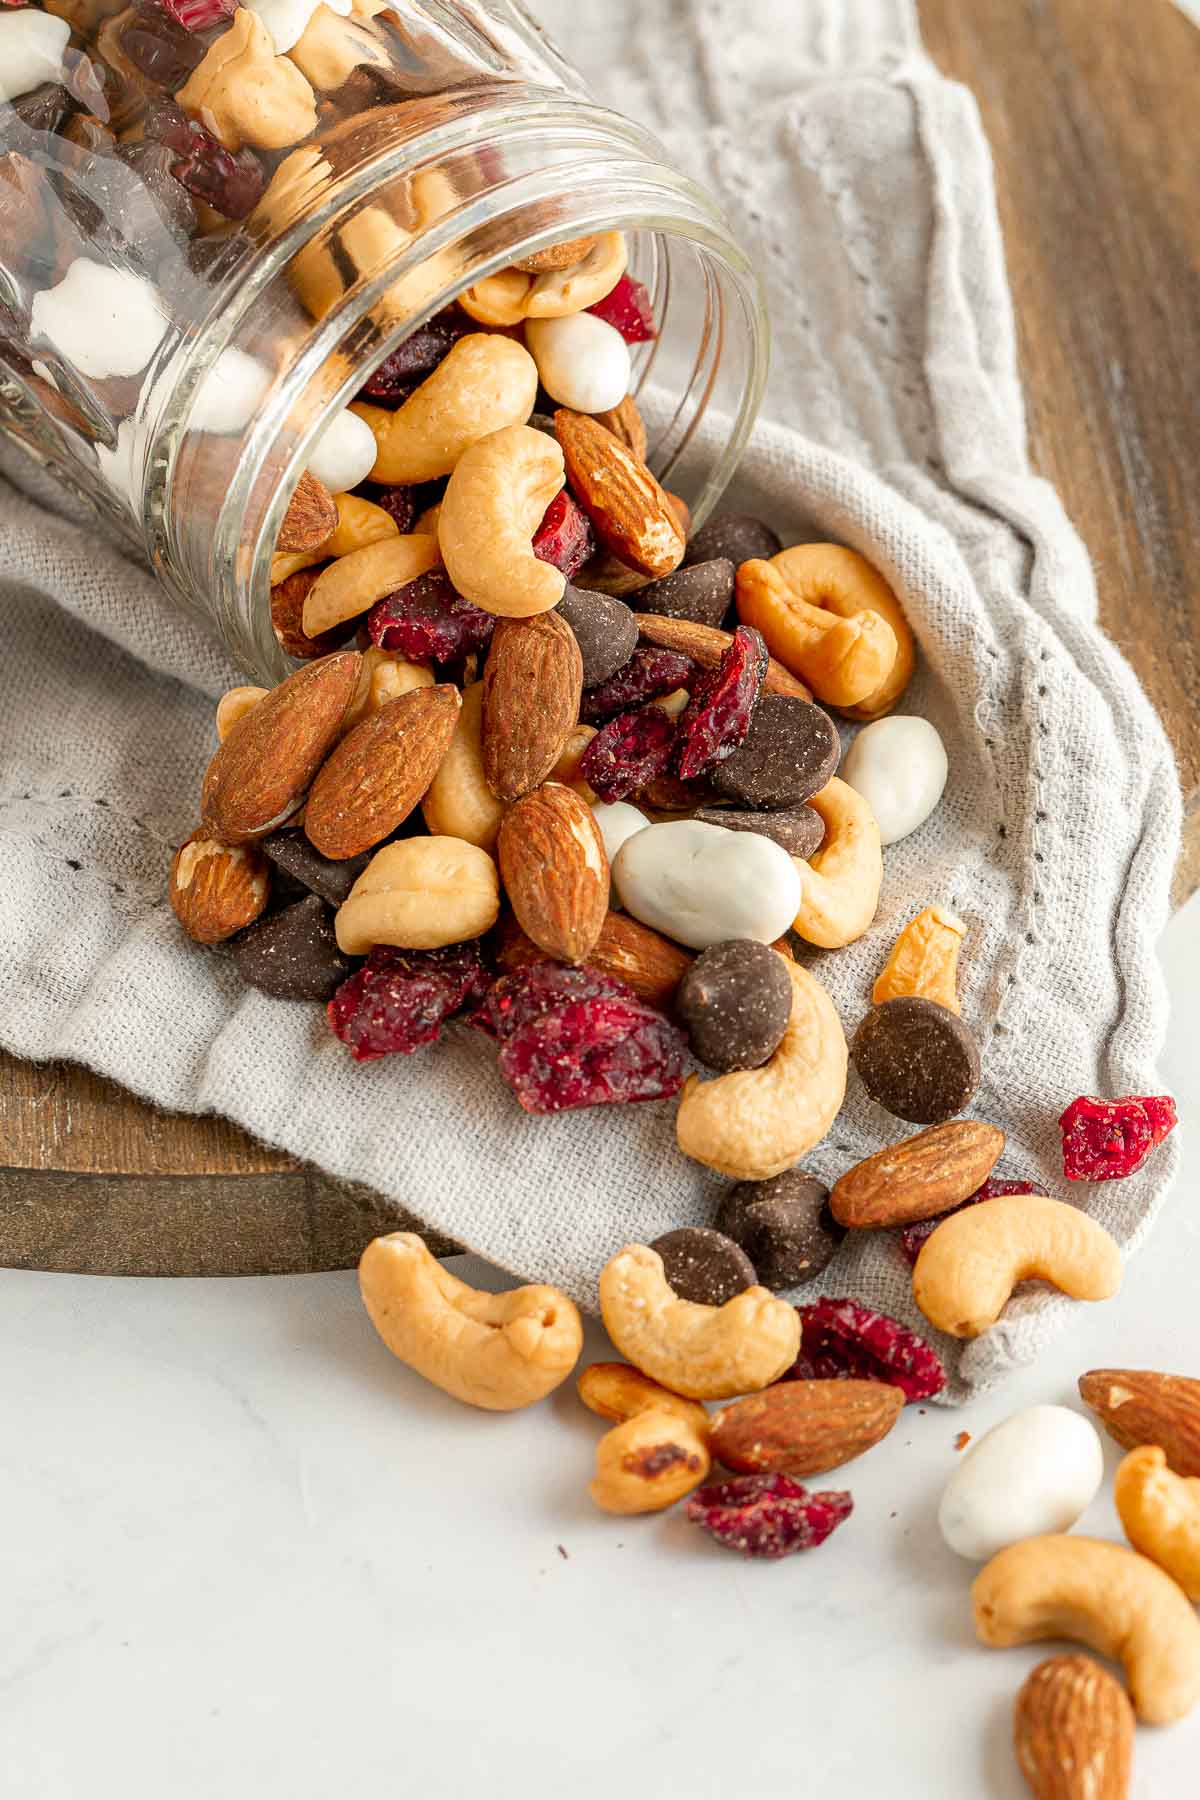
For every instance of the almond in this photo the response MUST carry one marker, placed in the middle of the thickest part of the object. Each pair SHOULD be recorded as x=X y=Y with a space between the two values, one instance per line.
x=215 y=889
x=532 y=686
x=554 y=870
x=626 y=423
x=1138 y=1406
x=706 y=646
x=1073 y=1731
x=651 y=965
x=557 y=256
x=311 y=517
x=804 y=1427
x=262 y=771
x=380 y=771
x=287 y=617
x=632 y=516
x=918 y=1178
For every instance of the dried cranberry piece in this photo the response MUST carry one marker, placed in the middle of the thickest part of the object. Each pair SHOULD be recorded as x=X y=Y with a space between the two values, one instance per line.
x=418 y=356
x=400 y=999
x=598 y=1052
x=429 y=618
x=199 y=15
x=231 y=184
x=538 y=988
x=913 y=1236
x=841 y=1340
x=1105 y=1140
x=629 y=752
x=564 y=537
x=159 y=48
x=768 y=1516
x=722 y=704
x=647 y=674
x=627 y=308
x=401 y=504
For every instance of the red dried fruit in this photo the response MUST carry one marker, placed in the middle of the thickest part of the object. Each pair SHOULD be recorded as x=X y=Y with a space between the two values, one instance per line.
x=538 y=988
x=429 y=618
x=159 y=48
x=913 y=1236
x=841 y=1340
x=564 y=537
x=768 y=1516
x=1160 y=1110
x=628 y=310
x=574 y=1037
x=647 y=674
x=199 y=15
x=231 y=184
x=400 y=999
x=417 y=357
x=629 y=752
x=1105 y=1140
x=722 y=704
x=401 y=504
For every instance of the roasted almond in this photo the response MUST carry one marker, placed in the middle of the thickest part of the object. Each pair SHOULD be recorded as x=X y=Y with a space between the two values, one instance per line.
x=632 y=515
x=215 y=889
x=554 y=870
x=706 y=646
x=380 y=771
x=626 y=423
x=311 y=517
x=287 y=617
x=532 y=685
x=651 y=965
x=262 y=771
x=804 y=1427
x=1073 y=1731
x=557 y=256
x=918 y=1178
x=1138 y=1406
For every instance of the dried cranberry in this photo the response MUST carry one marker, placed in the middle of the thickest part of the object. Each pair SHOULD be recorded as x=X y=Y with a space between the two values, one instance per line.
x=542 y=987
x=841 y=1340
x=159 y=48
x=647 y=674
x=629 y=752
x=429 y=618
x=768 y=1516
x=627 y=308
x=417 y=357
x=564 y=537
x=913 y=1236
x=199 y=15
x=400 y=999
x=1105 y=1140
x=400 y=503
x=599 y=1052
x=231 y=184
x=722 y=704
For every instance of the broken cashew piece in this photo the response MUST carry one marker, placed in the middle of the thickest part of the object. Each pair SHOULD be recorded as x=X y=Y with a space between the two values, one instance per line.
x=458 y=802
x=496 y=1351
x=969 y=1266
x=494 y=502
x=351 y=585
x=360 y=522
x=659 y=1449
x=511 y=295
x=840 y=883
x=1161 y=1514
x=842 y=660
x=1092 y=1592
x=701 y=1352
x=484 y=382
x=755 y=1123
x=924 y=961
x=843 y=582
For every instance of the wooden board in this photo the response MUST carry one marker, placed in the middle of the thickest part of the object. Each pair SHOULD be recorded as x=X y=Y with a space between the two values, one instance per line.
x=1089 y=106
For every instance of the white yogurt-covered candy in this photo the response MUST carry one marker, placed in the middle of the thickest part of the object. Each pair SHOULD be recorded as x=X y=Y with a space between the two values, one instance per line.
x=229 y=394
x=1036 y=1472
x=899 y=767
x=31 y=50
x=103 y=321
x=583 y=362
x=287 y=20
x=345 y=452
x=617 y=822
x=701 y=884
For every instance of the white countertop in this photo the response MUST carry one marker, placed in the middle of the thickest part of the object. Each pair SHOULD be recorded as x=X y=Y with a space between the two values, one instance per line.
x=245 y=1553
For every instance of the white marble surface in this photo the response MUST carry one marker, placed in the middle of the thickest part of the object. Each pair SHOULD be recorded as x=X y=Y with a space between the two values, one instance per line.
x=244 y=1553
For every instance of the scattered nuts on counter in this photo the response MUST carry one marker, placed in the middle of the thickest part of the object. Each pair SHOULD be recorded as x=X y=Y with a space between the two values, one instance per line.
x=1138 y=1406
x=804 y=1427
x=899 y=766
x=1073 y=1731
x=1161 y=1514
x=1037 y=1471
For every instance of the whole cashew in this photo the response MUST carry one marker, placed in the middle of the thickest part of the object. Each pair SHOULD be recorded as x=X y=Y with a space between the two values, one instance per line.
x=245 y=94
x=484 y=383
x=702 y=1352
x=659 y=1450
x=458 y=802
x=351 y=585
x=843 y=582
x=969 y=1266
x=840 y=883
x=924 y=960
x=332 y=47
x=755 y=1123
x=420 y=893
x=493 y=504
x=1102 y=1595
x=496 y=1351
x=843 y=660
x=512 y=294
x=233 y=704
x=1161 y=1514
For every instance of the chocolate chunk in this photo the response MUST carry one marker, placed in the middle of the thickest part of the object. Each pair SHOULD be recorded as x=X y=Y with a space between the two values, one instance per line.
x=293 y=954
x=735 y=536
x=605 y=630
x=735 y=1002
x=704 y=1266
x=790 y=751
x=292 y=851
x=702 y=592
x=799 y=830
x=917 y=1059
x=42 y=108
x=784 y=1225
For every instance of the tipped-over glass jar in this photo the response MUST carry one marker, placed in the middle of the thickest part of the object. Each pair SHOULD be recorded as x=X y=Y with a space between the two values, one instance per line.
x=218 y=221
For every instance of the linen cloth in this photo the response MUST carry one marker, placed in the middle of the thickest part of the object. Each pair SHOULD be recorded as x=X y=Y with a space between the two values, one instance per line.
x=859 y=181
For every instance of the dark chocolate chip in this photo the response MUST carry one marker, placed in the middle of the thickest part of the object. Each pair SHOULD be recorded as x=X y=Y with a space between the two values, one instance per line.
x=605 y=630
x=917 y=1059
x=790 y=751
x=736 y=536
x=292 y=851
x=784 y=1225
x=543 y=422
x=800 y=830
x=42 y=108
x=700 y=591
x=293 y=954
x=702 y=1265
x=735 y=1002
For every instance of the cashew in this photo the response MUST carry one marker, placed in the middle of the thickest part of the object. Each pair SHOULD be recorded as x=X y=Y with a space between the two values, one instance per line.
x=969 y=1266
x=484 y=383
x=513 y=294
x=843 y=660
x=458 y=802
x=498 y=299
x=351 y=585
x=566 y=769
x=332 y=47
x=360 y=522
x=323 y=271
x=245 y=94
x=1102 y=1595
x=233 y=705
x=924 y=960
x=385 y=675
x=420 y=893
x=1161 y=1514
x=843 y=582
x=493 y=504
x=659 y=1450
x=755 y=1123
x=428 y=521
x=497 y=1351
x=702 y=1352
x=840 y=883
x=286 y=563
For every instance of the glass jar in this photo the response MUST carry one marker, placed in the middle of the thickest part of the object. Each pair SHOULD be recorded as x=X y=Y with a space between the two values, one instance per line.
x=175 y=364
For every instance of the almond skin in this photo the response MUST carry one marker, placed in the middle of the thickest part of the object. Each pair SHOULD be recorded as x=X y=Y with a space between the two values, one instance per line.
x=1138 y=1406
x=557 y=256
x=706 y=646
x=263 y=769
x=918 y=1178
x=626 y=423
x=651 y=965
x=804 y=1427
x=216 y=889
x=287 y=617
x=554 y=870
x=532 y=685
x=311 y=517
x=1073 y=1731
x=632 y=516
x=380 y=771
